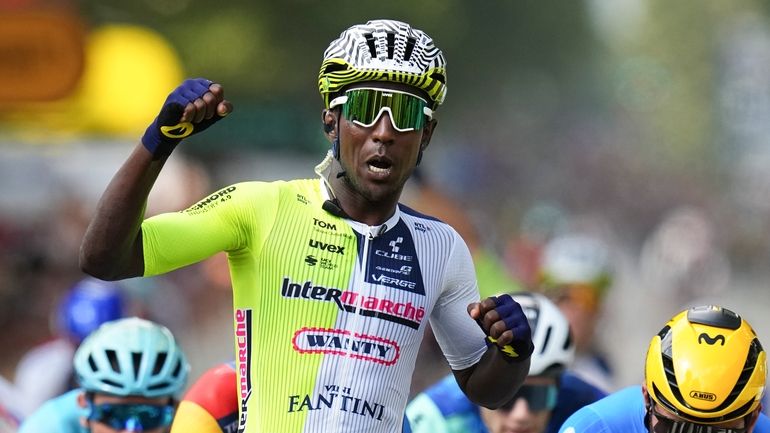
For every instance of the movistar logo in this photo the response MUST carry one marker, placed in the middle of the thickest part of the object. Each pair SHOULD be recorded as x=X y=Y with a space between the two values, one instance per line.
x=180 y=130
x=711 y=341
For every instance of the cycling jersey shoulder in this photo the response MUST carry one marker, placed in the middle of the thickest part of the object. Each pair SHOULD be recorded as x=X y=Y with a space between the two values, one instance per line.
x=233 y=218
x=211 y=404
x=574 y=393
x=409 y=211
x=59 y=415
x=620 y=412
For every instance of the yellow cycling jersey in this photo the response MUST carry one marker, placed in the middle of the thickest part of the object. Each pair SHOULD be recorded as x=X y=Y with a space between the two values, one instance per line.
x=328 y=312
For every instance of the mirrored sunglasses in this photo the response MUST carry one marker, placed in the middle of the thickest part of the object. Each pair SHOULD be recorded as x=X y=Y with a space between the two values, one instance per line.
x=364 y=106
x=538 y=397
x=668 y=425
x=132 y=417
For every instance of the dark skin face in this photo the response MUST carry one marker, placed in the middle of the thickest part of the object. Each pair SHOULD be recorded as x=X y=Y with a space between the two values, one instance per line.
x=377 y=161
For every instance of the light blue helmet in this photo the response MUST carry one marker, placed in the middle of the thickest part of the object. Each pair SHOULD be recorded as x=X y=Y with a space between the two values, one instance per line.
x=131 y=357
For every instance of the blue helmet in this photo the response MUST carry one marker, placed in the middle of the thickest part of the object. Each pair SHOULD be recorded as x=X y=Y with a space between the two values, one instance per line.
x=131 y=357
x=88 y=304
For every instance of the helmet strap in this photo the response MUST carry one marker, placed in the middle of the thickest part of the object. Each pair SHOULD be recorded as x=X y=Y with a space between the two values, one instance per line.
x=336 y=148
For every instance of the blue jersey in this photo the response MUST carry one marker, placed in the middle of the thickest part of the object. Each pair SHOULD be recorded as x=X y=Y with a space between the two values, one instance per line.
x=622 y=412
x=59 y=415
x=444 y=408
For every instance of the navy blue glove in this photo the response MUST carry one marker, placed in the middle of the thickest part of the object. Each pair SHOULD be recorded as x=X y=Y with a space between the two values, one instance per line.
x=515 y=320
x=167 y=130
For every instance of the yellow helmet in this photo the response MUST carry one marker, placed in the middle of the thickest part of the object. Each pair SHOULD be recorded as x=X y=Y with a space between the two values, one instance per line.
x=706 y=366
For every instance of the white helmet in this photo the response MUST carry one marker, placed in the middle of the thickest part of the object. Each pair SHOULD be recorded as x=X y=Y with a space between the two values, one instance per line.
x=576 y=259
x=554 y=346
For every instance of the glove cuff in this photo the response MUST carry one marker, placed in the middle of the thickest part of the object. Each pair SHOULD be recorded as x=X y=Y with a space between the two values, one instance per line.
x=157 y=143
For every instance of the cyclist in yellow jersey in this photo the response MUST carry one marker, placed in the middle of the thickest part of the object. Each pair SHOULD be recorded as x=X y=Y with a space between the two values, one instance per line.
x=334 y=280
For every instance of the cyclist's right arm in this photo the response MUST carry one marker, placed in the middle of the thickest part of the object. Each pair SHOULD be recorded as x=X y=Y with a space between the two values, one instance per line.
x=112 y=245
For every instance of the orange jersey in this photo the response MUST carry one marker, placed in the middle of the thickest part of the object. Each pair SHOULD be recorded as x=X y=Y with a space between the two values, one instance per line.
x=211 y=404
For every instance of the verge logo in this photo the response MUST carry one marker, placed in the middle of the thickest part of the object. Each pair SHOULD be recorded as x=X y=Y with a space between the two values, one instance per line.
x=345 y=343
x=243 y=363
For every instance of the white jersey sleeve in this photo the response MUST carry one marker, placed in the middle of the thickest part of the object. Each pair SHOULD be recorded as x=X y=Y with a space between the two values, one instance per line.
x=460 y=338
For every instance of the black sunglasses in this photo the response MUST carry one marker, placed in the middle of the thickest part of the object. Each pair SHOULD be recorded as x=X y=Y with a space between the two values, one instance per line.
x=538 y=397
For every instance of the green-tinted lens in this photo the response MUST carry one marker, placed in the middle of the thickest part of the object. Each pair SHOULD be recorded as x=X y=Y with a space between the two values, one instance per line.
x=365 y=106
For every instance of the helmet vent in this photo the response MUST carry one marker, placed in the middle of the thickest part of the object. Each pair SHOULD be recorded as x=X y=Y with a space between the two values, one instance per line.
x=568 y=341
x=161 y=385
x=112 y=357
x=177 y=369
x=112 y=383
x=136 y=361
x=545 y=340
x=370 y=43
x=391 y=44
x=159 y=361
x=92 y=363
x=410 y=43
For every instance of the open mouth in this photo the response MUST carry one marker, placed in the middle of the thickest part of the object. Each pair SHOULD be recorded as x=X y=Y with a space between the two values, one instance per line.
x=379 y=165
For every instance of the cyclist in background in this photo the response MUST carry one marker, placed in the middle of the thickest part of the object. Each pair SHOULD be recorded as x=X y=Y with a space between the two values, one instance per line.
x=576 y=273
x=46 y=370
x=130 y=372
x=705 y=373
x=549 y=395
x=334 y=281
x=211 y=403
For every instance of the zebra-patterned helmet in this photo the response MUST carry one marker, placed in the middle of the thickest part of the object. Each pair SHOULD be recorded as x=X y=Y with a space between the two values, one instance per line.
x=383 y=50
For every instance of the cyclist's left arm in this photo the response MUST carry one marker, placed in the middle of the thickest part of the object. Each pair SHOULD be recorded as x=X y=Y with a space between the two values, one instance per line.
x=489 y=358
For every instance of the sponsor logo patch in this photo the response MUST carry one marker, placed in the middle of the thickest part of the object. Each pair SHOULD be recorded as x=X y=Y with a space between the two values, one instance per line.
x=243 y=326
x=403 y=313
x=345 y=343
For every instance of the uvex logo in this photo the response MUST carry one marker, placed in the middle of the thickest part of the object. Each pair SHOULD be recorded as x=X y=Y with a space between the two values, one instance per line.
x=327 y=247
x=711 y=341
x=700 y=395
